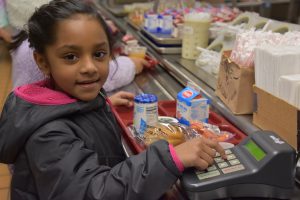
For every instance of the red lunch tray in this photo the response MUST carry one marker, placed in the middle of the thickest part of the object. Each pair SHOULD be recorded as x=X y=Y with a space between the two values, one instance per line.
x=124 y=117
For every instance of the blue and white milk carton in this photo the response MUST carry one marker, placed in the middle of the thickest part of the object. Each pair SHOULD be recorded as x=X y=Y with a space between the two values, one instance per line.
x=191 y=106
x=167 y=24
x=151 y=24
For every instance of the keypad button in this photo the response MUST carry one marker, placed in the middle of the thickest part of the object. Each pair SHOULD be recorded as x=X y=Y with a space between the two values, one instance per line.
x=219 y=159
x=230 y=157
x=222 y=165
x=211 y=168
x=233 y=168
x=228 y=151
x=234 y=162
x=208 y=174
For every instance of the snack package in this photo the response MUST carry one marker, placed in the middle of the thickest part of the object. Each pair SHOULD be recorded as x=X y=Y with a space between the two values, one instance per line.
x=211 y=131
x=174 y=133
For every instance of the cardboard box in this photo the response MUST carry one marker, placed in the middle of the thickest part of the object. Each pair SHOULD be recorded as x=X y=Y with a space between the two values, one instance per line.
x=275 y=114
x=235 y=85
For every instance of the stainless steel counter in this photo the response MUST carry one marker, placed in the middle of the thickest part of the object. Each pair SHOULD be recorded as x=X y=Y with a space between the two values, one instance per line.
x=173 y=73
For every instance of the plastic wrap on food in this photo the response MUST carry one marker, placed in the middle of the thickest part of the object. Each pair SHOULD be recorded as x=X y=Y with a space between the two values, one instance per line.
x=166 y=119
x=208 y=60
x=211 y=131
x=247 y=41
x=174 y=133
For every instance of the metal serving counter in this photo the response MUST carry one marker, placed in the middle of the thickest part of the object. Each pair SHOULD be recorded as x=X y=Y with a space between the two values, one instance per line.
x=173 y=73
x=169 y=77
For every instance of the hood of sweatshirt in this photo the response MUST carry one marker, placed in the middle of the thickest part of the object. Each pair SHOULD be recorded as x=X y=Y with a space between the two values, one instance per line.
x=28 y=108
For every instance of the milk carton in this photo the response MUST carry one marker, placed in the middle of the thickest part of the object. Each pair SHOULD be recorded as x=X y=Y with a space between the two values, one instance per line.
x=191 y=106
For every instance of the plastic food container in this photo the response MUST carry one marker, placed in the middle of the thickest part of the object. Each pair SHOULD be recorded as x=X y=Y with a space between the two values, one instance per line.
x=137 y=51
x=195 y=33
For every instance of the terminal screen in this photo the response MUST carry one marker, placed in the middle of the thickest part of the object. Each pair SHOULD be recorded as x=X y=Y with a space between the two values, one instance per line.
x=255 y=150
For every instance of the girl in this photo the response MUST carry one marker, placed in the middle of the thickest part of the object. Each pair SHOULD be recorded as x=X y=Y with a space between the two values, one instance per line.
x=25 y=70
x=61 y=135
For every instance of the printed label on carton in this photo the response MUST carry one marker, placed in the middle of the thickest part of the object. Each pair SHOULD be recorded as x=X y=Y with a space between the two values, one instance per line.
x=190 y=107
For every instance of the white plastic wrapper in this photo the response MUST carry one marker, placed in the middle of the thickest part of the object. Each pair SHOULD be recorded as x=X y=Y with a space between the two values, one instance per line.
x=208 y=60
x=211 y=131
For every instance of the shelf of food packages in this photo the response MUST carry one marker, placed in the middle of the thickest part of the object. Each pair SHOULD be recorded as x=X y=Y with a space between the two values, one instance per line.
x=125 y=117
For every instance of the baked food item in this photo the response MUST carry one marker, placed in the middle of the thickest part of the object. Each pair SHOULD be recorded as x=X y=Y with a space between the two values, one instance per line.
x=173 y=133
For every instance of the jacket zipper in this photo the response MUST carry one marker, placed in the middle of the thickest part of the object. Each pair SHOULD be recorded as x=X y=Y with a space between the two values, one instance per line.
x=111 y=125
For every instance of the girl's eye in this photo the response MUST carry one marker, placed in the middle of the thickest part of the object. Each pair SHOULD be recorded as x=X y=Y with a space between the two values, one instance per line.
x=99 y=54
x=70 y=57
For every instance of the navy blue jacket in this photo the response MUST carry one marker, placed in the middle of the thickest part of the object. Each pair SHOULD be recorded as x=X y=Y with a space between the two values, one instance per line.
x=64 y=149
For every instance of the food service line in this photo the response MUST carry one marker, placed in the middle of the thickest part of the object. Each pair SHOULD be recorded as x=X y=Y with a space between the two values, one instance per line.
x=166 y=87
x=170 y=64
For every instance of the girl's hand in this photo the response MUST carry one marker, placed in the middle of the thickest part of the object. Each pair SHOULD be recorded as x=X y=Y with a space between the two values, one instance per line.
x=139 y=63
x=199 y=152
x=122 y=98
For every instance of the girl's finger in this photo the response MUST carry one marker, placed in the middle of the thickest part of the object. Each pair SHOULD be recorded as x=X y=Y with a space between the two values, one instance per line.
x=201 y=164
x=210 y=151
x=204 y=156
x=126 y=95
x=215 y=145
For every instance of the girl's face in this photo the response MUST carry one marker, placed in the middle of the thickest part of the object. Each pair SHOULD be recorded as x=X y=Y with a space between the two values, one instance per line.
x=78 y=60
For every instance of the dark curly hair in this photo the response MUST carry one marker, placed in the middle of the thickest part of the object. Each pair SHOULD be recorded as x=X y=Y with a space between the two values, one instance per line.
x=41 y=25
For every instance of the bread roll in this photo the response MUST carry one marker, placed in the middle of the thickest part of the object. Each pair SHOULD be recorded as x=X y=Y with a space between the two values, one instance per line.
x=172 y=133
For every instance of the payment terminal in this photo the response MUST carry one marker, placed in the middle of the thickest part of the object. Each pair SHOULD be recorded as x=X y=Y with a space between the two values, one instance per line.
x=262 y=165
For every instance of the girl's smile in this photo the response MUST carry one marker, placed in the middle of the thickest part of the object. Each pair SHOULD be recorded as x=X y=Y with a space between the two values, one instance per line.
x=78 y=59
x=89 y=84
